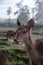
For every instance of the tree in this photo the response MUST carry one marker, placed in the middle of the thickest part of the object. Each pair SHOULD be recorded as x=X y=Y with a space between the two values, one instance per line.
x=24 y=13
x=9 y=12
x=39 y=15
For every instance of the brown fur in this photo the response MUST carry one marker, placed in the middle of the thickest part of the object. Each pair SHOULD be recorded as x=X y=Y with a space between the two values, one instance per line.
x=34 y=48
x=10 y=34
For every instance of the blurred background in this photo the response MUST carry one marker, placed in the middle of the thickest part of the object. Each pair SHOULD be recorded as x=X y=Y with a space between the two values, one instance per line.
x=24 y=10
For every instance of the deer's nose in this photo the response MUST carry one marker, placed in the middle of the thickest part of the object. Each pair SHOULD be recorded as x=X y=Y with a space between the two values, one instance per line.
x=16 y=40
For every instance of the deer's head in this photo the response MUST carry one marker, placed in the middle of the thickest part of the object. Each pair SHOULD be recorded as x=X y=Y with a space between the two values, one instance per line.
x=23 y=31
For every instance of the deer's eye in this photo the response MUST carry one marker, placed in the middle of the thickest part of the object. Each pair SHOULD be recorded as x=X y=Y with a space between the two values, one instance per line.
x=24 y=32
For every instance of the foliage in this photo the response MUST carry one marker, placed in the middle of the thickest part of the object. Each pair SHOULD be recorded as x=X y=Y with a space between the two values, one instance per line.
x=39 y=9
x=24 y=13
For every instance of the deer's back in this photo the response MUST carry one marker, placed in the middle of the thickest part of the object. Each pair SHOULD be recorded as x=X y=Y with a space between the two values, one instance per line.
x=10 y=33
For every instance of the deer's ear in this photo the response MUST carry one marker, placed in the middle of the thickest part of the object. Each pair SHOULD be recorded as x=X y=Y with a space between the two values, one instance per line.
x=30 y=23
x=18 y=23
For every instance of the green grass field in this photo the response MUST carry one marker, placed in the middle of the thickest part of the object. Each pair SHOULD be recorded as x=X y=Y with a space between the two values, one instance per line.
x=16 y=54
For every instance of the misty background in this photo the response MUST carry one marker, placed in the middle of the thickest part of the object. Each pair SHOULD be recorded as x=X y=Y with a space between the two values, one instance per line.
x=22 y=9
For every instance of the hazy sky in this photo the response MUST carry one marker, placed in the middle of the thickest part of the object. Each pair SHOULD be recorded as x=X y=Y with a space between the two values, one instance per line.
x=4 y=4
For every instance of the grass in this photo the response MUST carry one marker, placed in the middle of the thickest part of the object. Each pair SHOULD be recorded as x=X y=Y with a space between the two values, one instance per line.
x=6 y=29
x=17 y=57
x=38 y=31
x=16 y=54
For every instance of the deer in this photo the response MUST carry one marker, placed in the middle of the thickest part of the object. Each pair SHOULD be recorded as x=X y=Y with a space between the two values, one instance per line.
x=10 y=34
x=34 y=48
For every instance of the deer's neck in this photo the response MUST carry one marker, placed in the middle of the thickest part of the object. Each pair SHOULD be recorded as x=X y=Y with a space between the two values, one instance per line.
x=31 y=40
